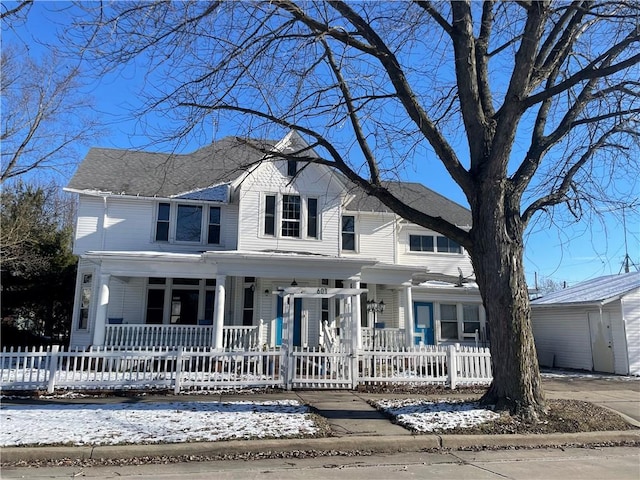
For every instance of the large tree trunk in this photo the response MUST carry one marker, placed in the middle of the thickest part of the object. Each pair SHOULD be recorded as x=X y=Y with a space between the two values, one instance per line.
x=497 y=257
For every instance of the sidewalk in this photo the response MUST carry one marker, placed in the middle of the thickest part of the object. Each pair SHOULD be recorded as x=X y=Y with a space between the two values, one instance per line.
x=356 y=426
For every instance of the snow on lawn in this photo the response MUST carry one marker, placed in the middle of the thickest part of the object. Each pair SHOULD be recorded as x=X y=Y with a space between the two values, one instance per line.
x=109 y=424
x=427 y=416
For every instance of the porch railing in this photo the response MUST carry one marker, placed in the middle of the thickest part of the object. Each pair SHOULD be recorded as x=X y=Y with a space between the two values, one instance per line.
x=384 y=339
x=143 y=336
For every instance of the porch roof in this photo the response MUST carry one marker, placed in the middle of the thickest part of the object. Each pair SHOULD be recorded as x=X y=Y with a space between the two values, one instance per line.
x=235 y=263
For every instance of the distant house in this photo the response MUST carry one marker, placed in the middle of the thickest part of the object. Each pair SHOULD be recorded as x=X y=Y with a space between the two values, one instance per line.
x=594 y=325
x=228 y=248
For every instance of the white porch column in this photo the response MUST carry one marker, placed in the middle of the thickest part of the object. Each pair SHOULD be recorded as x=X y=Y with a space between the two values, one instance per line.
x=356 y=316
x=218 y=312
x=409 y=321
x=100 y=322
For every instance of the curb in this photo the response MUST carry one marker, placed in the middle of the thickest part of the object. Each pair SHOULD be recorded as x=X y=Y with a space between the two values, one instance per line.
x=333 y=445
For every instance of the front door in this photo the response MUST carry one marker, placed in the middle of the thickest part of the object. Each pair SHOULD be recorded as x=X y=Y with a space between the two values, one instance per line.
x=423 y=319
x=297 y=322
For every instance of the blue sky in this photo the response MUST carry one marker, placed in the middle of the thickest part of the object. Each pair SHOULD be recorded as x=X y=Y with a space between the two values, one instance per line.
x=569 y=254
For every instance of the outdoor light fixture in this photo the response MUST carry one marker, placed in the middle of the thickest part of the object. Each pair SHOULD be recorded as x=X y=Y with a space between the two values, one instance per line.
x=294 y=283
x=375 y=307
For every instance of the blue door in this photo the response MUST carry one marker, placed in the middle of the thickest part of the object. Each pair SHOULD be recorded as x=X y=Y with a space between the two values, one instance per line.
x=297 y=322
x=423 y=320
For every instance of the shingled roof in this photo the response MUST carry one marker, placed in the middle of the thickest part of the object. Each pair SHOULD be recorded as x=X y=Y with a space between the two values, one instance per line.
x=131 y=172
x=417 y=196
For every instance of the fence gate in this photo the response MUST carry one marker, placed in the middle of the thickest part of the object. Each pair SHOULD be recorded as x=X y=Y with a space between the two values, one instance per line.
x=314 y=368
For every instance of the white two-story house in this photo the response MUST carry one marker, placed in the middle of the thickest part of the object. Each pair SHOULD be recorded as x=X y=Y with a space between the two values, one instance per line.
x=225 y=248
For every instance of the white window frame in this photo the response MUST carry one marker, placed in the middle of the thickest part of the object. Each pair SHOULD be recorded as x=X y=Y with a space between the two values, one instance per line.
x=173 y=222
x=356 y=236
x=167 y=287
x=435 y=251
x=278 y=216
x=460 y=321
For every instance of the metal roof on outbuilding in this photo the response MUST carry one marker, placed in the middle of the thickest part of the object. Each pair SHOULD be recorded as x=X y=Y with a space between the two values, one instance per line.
x=597 y=290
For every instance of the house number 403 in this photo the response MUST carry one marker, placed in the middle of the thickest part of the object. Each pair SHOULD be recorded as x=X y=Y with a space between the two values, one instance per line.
x=322 y=291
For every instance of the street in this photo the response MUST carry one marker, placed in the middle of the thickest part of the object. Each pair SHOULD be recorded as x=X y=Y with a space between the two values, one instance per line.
x=549 y=464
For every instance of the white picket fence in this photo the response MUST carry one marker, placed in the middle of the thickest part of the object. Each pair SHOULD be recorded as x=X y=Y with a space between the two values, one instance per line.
x=192 y=368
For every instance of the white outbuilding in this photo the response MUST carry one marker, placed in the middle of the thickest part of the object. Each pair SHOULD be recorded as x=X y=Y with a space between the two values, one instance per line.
x=593 y=326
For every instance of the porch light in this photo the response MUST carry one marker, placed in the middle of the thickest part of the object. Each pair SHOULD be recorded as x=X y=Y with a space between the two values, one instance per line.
x=294 y=283
x=375 y=307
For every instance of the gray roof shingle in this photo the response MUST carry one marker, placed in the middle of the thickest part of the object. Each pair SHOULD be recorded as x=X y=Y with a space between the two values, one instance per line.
x=417 y=196
x=161 y=174
x=165 y=175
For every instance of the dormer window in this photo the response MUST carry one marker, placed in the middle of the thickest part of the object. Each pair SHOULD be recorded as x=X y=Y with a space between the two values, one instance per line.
x=292 y=168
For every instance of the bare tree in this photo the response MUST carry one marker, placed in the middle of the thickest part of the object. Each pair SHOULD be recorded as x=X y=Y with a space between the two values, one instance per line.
x=45 y=115
x=527 y=105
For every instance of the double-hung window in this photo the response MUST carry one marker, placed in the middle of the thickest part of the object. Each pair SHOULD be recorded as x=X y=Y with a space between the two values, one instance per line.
x=348 y=232
x=470 y=320
x=162 y=223
x=213 y=234
x=448 y=322
x=291 y=216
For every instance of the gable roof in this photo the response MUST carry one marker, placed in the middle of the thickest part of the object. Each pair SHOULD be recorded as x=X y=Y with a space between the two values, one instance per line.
x=206 y=173
x=597 y=290
x=132 y=172
x=417 y=196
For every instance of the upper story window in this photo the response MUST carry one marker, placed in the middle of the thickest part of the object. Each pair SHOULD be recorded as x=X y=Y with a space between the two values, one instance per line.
x=421 y=243
x=290 y=215
x=312 y=217
x=162 y=223
x=213 y=234
x=270 y=215
x=182 y=222
x=426 y=243
x=189 y=223
x=448 y=246
x=292 y=168
x=348 y=232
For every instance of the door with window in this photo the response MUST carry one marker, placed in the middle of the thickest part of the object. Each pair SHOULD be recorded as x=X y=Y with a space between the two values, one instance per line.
x=423 y=320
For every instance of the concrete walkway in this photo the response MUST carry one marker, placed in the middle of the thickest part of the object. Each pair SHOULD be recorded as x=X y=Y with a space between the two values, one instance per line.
x=357 y=426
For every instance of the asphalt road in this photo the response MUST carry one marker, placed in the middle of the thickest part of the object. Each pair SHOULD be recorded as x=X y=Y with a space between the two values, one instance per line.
x=619 y=463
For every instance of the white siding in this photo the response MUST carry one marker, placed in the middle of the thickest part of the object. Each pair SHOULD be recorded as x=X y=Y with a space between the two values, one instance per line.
x=444 y=263
x=129 y=224
x=563 y=332
x=313 y=181
x=127 y=299
x=631 y=319
x=88 y=225
x=376 y=237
